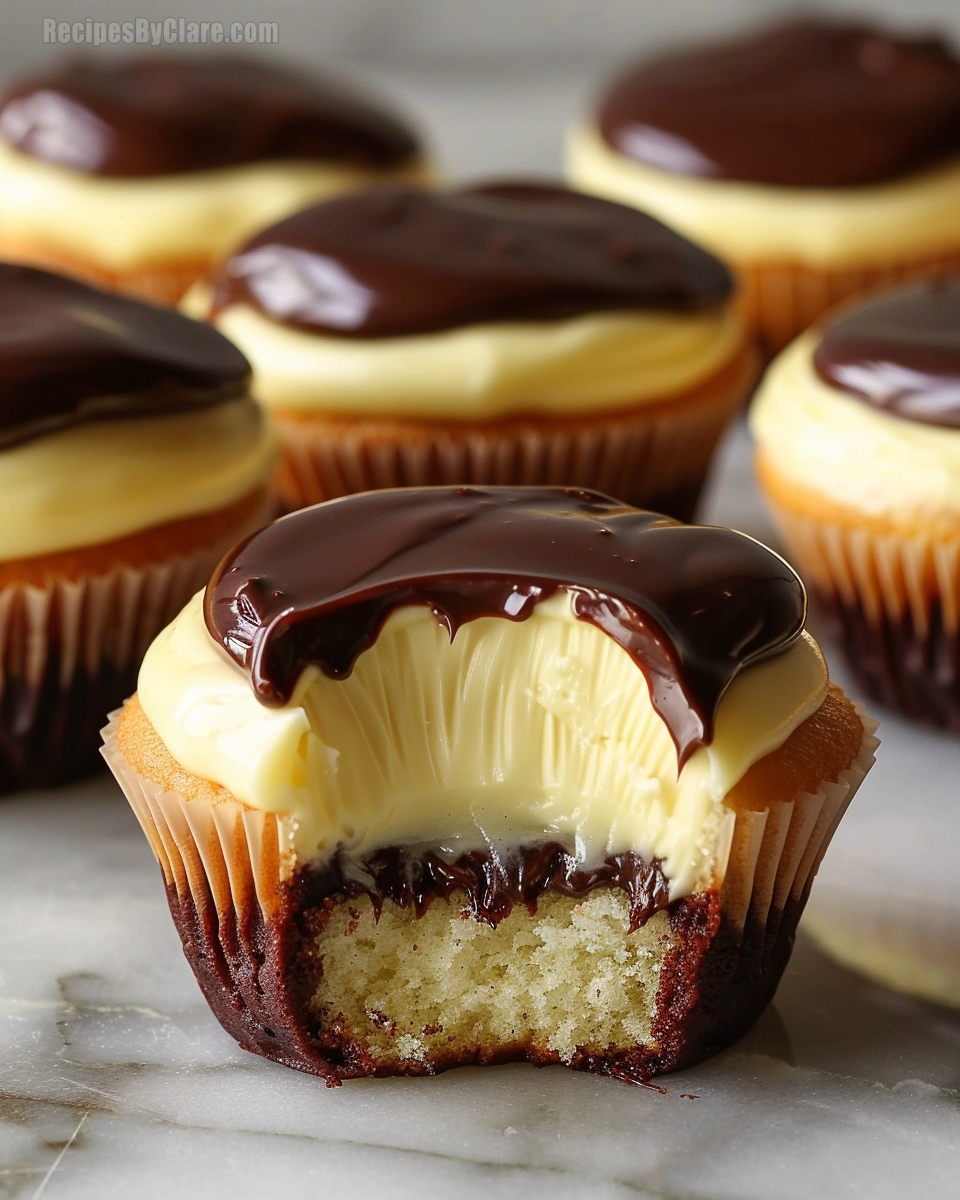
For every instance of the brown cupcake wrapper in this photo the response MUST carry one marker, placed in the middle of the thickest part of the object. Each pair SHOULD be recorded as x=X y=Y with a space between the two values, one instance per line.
x=892 y=601
x=70 y=651
x=781 y=300
x=226 y=872
x=161 y=283
x=655 y=457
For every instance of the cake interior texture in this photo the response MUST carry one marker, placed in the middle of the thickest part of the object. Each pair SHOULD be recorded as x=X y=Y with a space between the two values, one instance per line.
x=445 y=986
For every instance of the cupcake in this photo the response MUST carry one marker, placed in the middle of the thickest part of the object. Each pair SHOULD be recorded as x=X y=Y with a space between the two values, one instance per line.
x=512 y=333
x=141 y=174
x=131 y=458
x=820 y=158
x=448 y=776
x=858 y=451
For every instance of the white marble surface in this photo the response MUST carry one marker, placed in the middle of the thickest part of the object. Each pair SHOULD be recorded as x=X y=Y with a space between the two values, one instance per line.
x=116 y=1082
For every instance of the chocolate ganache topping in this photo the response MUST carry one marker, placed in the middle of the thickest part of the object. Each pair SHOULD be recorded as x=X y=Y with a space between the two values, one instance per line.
x=70 y=353
x=899 y=353
x=690 y=604
x=809 y=103
x=399 y=260
x=161 y=116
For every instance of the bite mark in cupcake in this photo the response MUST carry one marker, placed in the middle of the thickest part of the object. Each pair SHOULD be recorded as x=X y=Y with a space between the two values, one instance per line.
x=516 y=726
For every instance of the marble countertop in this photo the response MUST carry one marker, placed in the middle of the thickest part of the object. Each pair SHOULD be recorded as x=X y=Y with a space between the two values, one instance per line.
x=116 y=1082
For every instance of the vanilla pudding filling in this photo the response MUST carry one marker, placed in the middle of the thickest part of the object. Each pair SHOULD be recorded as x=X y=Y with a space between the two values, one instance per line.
x=511 y=734
x=594 y=363
x=849 y=452
x=827 y=228
x=473 y=305
x=123 y=224
x=103 y=480
x=116 y=416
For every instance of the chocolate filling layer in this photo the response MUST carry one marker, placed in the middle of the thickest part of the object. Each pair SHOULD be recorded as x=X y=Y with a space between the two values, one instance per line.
x=899 y=353
x=259 y=976
x=396 y=261
x=690 y=604
x=492 y=883
x=70 y=353
x=162 y=116
x=809 y=103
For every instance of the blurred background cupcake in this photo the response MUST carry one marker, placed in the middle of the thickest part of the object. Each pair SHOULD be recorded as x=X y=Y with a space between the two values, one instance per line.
x=819 y=157
x=509 y=333
x=858 y=452
x=131 y=458
x=140 y=173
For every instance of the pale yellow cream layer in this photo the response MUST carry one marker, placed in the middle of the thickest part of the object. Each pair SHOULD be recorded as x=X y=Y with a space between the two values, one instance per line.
x=123 y=224
x=106 y=479
x=828 y=442
x=511 y=733
x=583 y=364
x=751 y=223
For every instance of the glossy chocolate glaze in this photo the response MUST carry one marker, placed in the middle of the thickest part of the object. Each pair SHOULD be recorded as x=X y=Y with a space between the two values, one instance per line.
x=808 y=103
x=70 y=352
x=399 y=260
x=899 y=353
x=691 y=605
x=162 y=116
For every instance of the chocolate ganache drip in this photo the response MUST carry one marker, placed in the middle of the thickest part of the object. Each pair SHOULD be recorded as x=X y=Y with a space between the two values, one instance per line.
x=690 y=604
x=398 y=260
x=809 y=103
x=162 y=116
x=70 y=353
x=899 y=353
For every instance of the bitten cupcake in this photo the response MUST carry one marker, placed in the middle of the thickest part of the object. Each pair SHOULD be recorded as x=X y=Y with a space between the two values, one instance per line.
x=449 y=776
x=140 y=174
x=820 y=158
x=512 y=333
x=858 y=451
x=131 y=458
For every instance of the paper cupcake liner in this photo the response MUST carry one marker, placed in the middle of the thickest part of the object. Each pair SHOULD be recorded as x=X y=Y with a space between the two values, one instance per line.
x=892 y=601
x=781 y=300
x=231 y=887
x=655 y=457
x=775 y=854
x=774 y=857
x=162 y=283
x=70 y=651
